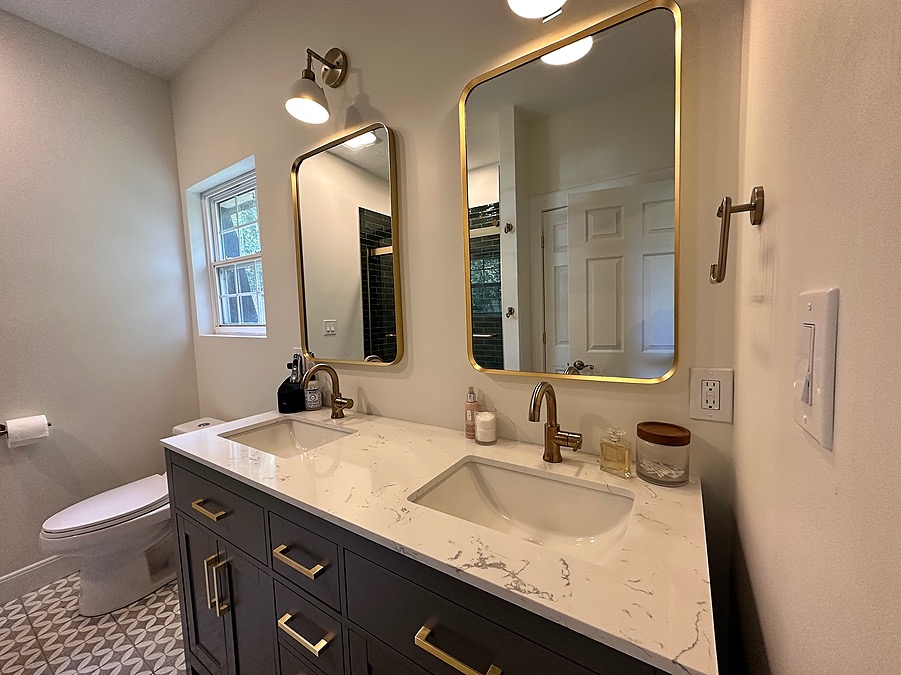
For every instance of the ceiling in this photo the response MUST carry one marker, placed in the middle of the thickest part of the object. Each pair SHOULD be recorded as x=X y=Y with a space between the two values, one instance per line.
x=157 y=36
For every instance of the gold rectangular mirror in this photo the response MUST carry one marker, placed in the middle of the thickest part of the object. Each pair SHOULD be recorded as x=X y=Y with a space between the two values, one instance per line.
x=348 y=262
x=571 y=204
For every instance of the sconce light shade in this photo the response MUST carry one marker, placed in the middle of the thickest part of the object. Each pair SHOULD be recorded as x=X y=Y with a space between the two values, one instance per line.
x=535 y=9
x=306 y=100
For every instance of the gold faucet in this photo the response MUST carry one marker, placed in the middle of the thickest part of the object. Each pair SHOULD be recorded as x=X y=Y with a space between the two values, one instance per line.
x=554 y=439
x=339 y=403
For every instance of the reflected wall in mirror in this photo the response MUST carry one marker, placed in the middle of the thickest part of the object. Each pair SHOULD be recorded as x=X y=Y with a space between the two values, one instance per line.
x=348 y=263
x=570 y=178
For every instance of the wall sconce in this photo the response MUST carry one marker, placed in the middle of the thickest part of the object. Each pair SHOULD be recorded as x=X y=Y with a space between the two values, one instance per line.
x=306 y=100
x=537 y=9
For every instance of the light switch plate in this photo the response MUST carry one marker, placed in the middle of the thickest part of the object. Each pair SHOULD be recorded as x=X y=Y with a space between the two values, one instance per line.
x=813 y=398
x=330 y=327
x=709 y=388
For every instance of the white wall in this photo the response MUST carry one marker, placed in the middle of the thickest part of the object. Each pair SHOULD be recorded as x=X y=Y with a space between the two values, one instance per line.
x=452 y=43
x=633 y=131
x=94 y=324
x=821 y=531
x=332 y=192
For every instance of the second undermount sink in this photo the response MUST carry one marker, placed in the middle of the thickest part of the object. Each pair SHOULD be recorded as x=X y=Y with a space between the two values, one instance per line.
x=286 y=436
x=569 y=515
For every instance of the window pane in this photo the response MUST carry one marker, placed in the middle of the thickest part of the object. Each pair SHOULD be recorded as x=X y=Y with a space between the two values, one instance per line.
x=227 y=214
x=249 y=239
x=249 y=309
x=247 y=207
x=258 y=265
x=227 y=280
x=261 y=307
x=229 y=310
x=247 y=277
x=229 y=246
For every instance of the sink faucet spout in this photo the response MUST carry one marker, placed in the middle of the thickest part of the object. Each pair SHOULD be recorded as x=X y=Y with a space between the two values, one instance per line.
x=554 y=439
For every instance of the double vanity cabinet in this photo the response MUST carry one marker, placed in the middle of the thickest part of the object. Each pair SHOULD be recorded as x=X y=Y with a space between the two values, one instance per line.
x=277 y=576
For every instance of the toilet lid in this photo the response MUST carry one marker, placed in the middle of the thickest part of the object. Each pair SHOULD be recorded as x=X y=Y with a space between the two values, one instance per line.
x=110 y=508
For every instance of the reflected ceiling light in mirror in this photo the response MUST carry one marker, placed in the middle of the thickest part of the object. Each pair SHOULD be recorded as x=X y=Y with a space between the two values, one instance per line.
x=568 y=54
x=536 y=9
x=306 y=99
x=361 y=141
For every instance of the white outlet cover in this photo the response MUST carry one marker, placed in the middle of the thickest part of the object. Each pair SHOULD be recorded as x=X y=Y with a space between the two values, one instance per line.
x=696 y=411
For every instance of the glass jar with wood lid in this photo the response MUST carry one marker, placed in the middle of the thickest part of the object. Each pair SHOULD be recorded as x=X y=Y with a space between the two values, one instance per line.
x=662 y=453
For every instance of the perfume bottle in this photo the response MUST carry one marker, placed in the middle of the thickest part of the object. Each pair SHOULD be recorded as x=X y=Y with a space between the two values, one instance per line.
x=616 y=454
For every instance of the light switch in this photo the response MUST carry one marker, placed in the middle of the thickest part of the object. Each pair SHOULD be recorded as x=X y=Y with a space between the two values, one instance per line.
x=330 y=327
x=814 y=398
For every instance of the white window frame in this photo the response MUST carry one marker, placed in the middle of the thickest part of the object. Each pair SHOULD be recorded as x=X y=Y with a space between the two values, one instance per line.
x=209 y=199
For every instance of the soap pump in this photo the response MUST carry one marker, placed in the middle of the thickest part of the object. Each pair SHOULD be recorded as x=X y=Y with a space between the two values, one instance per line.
x=290 y=393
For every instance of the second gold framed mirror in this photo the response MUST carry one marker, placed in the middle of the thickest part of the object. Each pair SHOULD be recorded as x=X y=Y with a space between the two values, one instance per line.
x=570 y=167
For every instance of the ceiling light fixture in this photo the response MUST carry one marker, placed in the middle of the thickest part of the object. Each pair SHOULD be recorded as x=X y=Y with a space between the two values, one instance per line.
x=306 y=100
x=536 y=9
x=571 y=52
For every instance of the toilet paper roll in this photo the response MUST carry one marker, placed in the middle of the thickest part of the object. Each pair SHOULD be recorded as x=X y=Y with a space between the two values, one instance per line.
x=26 y=430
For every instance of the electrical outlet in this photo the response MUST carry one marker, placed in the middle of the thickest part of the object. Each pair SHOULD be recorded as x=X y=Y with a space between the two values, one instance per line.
x=330 y=327
x=710 y=394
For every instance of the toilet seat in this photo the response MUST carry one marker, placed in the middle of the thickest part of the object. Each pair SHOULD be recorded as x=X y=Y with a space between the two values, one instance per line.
x=109 y=508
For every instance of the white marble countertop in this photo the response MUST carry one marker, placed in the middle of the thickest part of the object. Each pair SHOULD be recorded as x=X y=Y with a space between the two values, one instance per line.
x=650 y=599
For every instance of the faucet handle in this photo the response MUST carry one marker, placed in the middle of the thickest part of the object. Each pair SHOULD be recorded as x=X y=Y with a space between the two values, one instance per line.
x=568 y=439
x=339 y=404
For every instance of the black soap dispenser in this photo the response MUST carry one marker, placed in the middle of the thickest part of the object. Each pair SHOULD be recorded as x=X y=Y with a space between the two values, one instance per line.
x=290 y=393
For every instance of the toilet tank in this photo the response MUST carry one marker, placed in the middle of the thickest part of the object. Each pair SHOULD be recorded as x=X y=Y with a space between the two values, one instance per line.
x=194 y=425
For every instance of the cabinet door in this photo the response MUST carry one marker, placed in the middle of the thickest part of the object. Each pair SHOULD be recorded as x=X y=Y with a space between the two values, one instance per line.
x=368 y=657
x=249 y=609
x=205 y=630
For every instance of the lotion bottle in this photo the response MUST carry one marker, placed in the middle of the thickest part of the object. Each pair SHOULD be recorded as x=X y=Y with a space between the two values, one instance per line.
x=470 y=408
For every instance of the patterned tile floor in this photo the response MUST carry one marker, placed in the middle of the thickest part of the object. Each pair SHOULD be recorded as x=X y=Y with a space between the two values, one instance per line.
x=42 y=633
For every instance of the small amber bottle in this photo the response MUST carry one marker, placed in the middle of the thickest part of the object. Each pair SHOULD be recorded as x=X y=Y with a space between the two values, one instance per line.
x=616 y=454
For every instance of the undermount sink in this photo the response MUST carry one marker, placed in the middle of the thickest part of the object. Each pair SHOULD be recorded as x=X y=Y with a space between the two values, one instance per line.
x=285 y=436
x=569 y=515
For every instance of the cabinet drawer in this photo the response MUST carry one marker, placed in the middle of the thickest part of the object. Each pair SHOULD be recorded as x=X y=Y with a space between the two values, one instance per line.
x=291 y=665
x=231 y=517
x=433 y=632
x=306 y=559
x=309 y=630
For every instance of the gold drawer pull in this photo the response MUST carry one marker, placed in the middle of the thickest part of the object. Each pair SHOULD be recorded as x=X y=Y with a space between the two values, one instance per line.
x=309 y=573
x=206 y=579
x=421 y=641
x=297 y=637
x=220 y=607
x=197 y=506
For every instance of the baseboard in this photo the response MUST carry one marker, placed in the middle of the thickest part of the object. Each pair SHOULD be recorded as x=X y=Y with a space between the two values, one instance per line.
x=32 y=577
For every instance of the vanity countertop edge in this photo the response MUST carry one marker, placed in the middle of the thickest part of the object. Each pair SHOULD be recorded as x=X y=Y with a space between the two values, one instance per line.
x=650 y=599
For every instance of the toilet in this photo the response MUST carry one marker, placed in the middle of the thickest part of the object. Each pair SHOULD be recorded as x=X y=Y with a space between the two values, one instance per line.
x=123 y=537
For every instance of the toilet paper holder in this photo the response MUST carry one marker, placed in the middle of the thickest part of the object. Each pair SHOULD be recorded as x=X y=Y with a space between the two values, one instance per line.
x=3 y=428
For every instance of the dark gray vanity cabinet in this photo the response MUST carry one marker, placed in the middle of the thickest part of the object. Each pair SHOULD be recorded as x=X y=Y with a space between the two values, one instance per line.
x=270 y=589
x=226 y=605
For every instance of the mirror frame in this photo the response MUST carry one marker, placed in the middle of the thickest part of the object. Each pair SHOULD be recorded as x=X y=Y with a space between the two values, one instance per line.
x=531 y=56
x=395 y=243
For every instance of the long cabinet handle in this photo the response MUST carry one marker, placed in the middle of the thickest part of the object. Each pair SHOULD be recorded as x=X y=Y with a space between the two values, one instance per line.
x=314 y=649
x=309 y=572
x=206 y=579
x=221 y=607
x=197 y=505
x=421 y=641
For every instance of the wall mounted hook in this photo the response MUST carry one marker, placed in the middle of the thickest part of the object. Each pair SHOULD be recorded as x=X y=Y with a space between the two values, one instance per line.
x=724 y=213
